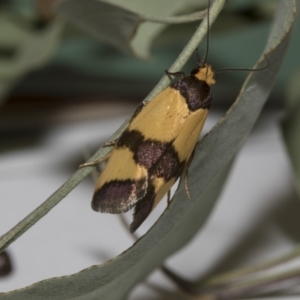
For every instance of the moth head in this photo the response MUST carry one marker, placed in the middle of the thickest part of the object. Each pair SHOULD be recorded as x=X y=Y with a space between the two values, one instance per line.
x=205 y=73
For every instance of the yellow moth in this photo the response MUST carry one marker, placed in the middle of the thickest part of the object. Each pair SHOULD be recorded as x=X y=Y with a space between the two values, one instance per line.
x=156 y=147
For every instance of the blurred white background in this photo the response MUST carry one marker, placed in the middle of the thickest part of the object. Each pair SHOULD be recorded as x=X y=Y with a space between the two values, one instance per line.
x=255 y=219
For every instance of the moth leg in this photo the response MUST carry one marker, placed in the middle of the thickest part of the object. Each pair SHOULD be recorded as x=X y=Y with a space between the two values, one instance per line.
x=174 y=74
x=186 y=173
x=110 y=143
x=95 y=162
x=98 y=161
x=138 y=110
x=186 y=184
x=169 y=197
x=185 y=178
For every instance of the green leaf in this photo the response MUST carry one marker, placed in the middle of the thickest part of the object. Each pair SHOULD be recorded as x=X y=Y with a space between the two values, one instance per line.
x=122 y=24
x=28 y=48
x=291 y=126
x=179 y=223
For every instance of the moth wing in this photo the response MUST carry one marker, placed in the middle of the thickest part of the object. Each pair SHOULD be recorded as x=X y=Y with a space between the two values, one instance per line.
x=172 y=160
x=183 y=146
x=121 y=184
x=162 y=118
x=144 y=206
x=188 y=136
x=167 y=118
x=143 y=209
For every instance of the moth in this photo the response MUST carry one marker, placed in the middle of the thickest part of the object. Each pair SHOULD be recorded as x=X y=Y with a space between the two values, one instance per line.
x=156 y=148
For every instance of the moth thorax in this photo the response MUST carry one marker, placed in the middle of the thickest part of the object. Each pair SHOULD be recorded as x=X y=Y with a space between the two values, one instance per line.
x=206 y=74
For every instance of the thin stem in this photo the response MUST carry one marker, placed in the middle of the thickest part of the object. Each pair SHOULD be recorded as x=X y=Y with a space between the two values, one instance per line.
x=237 y=274
x=44 y=208
x=256 y=286
x=236 y=282
x=235 y=290
x=177 y=19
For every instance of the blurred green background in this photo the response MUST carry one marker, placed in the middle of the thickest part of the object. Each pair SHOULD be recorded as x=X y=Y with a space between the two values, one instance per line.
x=48 y=64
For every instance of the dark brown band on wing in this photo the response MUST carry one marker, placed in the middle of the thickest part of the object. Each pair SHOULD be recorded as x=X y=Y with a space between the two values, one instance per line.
x=158 y=157
x=118 y=196
x=131 y=139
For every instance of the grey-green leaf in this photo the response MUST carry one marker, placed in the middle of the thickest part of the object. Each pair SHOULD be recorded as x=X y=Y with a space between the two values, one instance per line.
x=118 y=23
x=291 y=126
x=29 y=47
x=179 y=223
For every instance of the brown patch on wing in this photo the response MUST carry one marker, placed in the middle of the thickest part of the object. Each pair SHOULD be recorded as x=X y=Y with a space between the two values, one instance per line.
x=158 y=157
x=121 y=184
x=118 y=196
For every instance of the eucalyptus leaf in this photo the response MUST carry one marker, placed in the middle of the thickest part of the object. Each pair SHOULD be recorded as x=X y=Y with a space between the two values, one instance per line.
x=291 y=126
x=114 y=279
x=29 y=48
x=119 y=23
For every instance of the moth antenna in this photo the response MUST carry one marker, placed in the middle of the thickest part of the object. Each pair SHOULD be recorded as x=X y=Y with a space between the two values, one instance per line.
x=207 y=37
x=198 y=57
x=245 y=69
